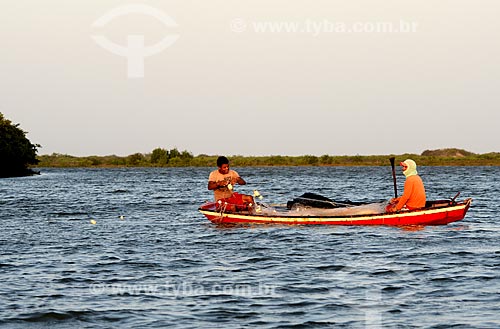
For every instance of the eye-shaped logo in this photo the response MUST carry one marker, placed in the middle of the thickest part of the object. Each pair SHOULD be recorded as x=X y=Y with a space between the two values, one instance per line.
x=135 y=51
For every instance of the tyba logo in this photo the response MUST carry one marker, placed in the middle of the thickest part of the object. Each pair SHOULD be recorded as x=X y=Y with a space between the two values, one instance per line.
x=135 y=51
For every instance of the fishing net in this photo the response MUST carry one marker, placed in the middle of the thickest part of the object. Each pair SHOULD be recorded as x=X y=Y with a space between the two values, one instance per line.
x=300 y=210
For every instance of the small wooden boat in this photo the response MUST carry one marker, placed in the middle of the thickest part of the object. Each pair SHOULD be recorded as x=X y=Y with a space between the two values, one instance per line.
x=440 y=212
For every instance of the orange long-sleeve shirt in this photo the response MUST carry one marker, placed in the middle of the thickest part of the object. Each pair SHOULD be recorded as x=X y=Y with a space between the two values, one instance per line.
x=414 y=194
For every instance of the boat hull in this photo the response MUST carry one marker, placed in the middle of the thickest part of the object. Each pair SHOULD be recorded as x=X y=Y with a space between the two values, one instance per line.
x=429 y=216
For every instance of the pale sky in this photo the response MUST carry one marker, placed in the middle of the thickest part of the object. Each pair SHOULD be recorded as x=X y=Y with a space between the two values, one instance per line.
x=328 y=82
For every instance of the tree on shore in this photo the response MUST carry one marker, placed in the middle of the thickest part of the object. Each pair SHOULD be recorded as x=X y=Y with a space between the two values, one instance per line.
x=159 y=156
x=173 y=157
x=16 y=151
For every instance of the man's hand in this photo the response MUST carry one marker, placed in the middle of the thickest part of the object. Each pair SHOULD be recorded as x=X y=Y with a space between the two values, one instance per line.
x=223 y=183
x=217 y=185
x=391 y=207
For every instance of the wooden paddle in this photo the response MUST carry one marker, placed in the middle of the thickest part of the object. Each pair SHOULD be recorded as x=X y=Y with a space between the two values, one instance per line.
x=394 y=176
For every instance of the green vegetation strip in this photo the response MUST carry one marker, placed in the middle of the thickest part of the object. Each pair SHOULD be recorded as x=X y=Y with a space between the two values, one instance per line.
x=174 y=158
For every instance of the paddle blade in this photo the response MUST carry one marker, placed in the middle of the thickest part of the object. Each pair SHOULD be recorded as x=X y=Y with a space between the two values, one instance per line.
x=392 y=159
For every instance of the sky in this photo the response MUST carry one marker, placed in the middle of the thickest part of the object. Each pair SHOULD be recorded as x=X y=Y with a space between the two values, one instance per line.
x=102 y=77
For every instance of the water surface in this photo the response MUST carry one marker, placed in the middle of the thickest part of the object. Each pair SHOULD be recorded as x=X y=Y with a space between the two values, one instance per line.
x=151 y=260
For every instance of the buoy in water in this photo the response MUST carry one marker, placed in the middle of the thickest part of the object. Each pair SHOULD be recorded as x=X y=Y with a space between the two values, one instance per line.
x=93 y=222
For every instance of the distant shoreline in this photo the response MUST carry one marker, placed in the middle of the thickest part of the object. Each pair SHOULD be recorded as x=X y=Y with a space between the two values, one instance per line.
x=185 y=159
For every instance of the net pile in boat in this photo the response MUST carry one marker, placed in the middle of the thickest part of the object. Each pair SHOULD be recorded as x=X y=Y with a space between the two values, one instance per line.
x=366 y=209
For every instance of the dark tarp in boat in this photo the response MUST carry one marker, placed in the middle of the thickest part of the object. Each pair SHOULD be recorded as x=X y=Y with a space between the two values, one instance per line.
x=314 y=200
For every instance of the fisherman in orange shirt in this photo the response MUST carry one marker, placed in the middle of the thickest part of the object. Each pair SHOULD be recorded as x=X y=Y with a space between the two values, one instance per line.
x=414 y=192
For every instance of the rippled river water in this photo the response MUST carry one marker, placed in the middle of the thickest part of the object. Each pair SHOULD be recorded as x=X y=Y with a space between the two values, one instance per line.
x=151 y=260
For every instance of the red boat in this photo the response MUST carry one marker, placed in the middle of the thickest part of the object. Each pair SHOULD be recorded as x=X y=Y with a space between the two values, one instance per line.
x=440 y=212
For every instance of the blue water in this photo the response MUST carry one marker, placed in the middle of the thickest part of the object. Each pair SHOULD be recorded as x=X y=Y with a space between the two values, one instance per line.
x=151 y=260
